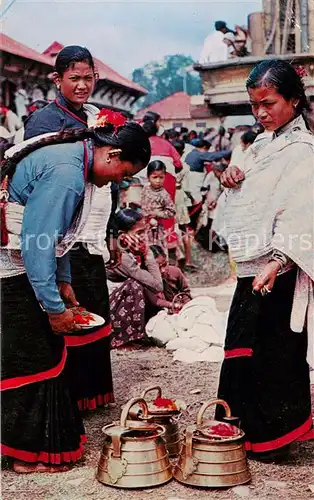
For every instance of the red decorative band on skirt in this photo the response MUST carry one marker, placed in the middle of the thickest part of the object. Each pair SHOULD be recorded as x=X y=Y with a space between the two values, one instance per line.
x=294 y=435
x=308 y=436
x=14 y=383
x=42 y=456
x=78 y=340
x=195 y=208
x=238 y=353
x=93 y=403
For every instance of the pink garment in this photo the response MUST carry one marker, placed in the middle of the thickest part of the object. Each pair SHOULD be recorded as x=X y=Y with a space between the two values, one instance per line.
x=162 y=147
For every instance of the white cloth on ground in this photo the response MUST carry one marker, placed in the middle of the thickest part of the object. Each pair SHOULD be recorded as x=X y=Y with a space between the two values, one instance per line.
x=196 y=333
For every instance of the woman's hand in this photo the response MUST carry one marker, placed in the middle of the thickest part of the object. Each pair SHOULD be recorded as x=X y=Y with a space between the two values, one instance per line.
x=264 y=281
x=63 y=323
x=67 y=294
x=136 y=244
x=231 y=177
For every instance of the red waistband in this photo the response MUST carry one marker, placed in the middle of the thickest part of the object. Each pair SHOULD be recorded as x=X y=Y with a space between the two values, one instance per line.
x=77 y=340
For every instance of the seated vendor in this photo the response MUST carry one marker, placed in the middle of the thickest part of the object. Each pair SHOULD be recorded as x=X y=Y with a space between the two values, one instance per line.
x=139 y=273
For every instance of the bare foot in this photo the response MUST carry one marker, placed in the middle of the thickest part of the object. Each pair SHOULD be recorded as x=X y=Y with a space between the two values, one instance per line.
x=27 y=468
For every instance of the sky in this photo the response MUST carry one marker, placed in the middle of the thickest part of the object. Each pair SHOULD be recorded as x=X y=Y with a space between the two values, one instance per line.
x=123 y=34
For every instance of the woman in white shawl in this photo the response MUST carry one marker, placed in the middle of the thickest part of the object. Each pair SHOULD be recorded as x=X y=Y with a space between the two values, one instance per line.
x=269 y=230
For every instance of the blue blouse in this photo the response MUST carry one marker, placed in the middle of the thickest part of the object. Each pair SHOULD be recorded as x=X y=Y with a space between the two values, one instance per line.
x=50 y=184
x=196 y=159
x=53 y=118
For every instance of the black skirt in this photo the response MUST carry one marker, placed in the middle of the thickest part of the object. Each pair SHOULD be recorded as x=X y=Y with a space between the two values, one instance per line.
x=265 y=376
x=40 y=418
x=88 y=366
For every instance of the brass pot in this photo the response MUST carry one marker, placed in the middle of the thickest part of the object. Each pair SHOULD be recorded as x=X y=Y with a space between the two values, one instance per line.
x=211 y=463
x=165 y=417
x=134 y=453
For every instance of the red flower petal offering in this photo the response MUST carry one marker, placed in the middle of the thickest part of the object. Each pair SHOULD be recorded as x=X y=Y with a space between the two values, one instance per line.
x=222 y=430
x=107 y=116
x=81 y=316
x=165 y=403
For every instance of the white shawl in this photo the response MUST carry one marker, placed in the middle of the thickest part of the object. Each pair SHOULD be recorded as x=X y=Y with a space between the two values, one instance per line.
x=274 y=209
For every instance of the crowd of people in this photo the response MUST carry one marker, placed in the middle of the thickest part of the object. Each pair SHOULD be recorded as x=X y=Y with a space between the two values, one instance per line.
x=89 y=196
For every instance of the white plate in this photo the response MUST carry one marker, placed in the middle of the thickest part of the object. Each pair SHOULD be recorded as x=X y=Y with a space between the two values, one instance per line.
x=97 y=321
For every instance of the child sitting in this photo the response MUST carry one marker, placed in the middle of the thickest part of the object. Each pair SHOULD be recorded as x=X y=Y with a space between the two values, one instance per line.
x=156 y=203
x=176 y=291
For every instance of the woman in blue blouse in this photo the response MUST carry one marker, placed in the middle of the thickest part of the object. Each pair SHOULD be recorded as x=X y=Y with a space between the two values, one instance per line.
x=88 y=363
x=50 y=195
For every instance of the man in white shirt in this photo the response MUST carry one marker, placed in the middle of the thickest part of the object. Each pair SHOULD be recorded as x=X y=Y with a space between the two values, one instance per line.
x=215 y=49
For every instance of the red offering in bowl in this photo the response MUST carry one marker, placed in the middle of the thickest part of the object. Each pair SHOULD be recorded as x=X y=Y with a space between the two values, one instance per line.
x=85 y=318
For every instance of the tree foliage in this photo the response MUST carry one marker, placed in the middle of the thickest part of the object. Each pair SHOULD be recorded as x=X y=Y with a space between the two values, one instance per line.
x=173 y=74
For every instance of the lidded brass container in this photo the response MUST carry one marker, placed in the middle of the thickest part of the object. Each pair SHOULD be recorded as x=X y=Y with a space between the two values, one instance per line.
x=134 y=453
x=212 y=461
x=167 y=418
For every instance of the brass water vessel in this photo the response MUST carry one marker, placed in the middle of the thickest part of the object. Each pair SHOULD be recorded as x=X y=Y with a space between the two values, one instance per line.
x=209 y=462
x=134 y=453
x=168 y=419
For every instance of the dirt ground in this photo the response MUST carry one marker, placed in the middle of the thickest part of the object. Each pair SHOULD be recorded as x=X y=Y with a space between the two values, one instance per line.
x=134 y=371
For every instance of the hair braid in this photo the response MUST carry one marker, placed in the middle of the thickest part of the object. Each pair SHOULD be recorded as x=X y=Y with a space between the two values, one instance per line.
x=68 y=135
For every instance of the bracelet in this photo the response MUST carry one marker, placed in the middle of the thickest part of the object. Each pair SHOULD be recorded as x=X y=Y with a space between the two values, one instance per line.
x=280 y=258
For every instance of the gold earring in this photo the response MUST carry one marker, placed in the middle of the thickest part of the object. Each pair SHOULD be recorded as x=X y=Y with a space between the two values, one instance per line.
x=108 y=159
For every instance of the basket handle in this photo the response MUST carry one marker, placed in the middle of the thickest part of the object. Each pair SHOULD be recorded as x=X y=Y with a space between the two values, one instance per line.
x=176 y=298
x=207 y=404
x=151 y=388
x=125 y=412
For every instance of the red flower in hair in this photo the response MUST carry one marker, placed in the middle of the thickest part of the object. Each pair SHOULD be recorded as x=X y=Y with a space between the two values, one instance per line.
x=107 y=116
x=301 y=71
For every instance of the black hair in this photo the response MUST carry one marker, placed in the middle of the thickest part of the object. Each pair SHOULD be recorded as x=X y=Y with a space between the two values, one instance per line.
x=219 y=25
x=130 y=138
x=201 y=143
x=70 y=55
x=4 y=145
x=151 y=116
x=126 y=219
x=221 y=130
x=173 y=134
x=179 y=146
x=157 y=251
x=248 y=137
x=257 y=128
x=155 y=166
x=281 y=76
x=150 y=128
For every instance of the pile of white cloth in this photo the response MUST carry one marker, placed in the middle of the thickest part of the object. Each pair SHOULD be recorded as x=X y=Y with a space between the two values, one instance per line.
x=196 y=333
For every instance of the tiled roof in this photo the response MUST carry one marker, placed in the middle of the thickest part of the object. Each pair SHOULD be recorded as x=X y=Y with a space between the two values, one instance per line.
x=174 y=107
x=105 y=72
x=7 y=44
